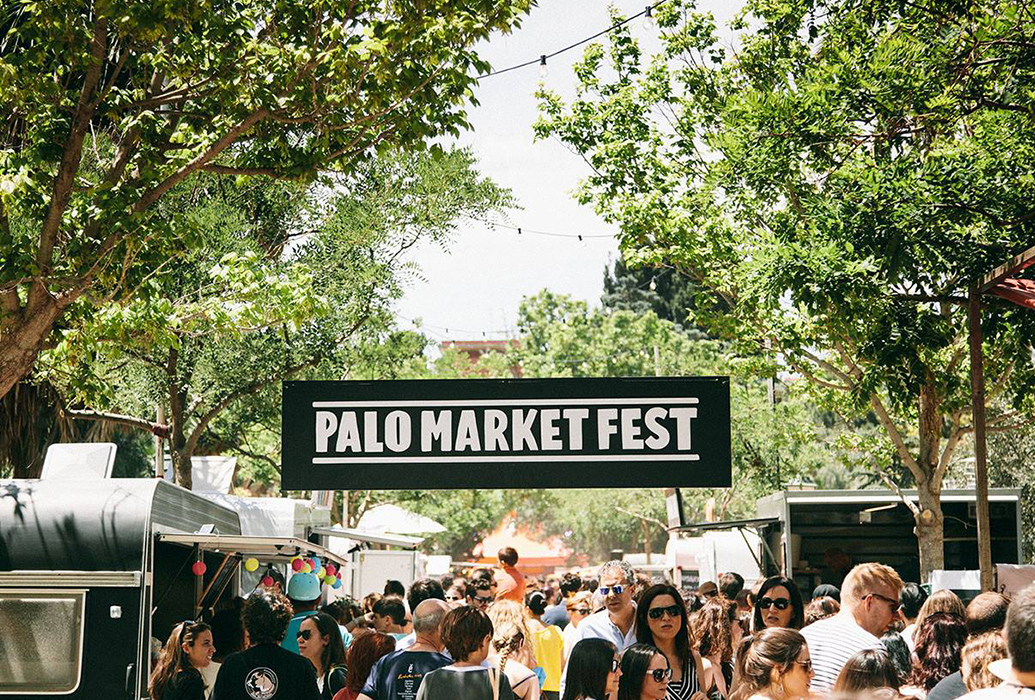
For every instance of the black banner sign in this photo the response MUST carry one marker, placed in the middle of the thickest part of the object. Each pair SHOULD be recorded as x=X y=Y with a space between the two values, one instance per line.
x=506 y=433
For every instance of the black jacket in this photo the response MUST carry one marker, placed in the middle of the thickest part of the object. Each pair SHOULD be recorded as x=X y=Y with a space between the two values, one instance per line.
x=185 y=685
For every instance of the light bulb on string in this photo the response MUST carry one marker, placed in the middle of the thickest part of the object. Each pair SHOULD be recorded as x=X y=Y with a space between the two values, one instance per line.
x=648 y=18
x=543 y=71
x=653 y=284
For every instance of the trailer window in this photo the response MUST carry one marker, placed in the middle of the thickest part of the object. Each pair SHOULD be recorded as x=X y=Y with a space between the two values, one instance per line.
x=42 y=641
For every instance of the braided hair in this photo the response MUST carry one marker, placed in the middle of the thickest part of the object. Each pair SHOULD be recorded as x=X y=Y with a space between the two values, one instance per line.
x=506 y=640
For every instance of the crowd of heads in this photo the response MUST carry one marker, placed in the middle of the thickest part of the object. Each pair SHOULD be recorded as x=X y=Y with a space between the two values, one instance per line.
x=758 y=635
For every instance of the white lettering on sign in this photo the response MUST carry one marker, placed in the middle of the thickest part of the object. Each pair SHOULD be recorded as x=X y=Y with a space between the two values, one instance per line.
x=575 y=416
x=432 y=428
x=495 y=427
x=482 y=430
x=398 y=431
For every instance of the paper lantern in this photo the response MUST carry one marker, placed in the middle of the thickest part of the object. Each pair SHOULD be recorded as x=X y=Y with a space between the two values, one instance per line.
x=337 y=584
x=321 y=572
x=251 y=564
x=329 y=580
x=267 y=581
x=331 y=570
x=199 y=568
x=297 y=564
x=306 y=568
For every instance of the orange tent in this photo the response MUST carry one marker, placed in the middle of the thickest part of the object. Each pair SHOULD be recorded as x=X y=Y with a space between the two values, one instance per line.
x=536 y=554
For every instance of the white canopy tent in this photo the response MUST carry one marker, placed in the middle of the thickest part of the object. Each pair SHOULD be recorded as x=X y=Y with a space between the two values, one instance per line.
x=399 y=521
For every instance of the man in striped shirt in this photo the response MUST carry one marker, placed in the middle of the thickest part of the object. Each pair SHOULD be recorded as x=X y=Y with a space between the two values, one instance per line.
x=869 y=604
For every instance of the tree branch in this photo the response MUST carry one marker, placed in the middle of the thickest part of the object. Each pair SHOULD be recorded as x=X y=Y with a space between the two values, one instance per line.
x=229 y=170
x=883 y=476
x=200 y=161
x=158 y=429
x=70 y=159
x=955 y=435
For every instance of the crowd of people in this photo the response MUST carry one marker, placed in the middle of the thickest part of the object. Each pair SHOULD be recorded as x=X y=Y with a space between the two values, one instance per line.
x=496 y=635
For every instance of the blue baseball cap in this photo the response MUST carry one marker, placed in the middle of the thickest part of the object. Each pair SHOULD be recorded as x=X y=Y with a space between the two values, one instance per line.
x=304 y=587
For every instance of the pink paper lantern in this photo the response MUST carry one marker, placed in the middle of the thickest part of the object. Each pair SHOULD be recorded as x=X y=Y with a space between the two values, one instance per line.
x=199 y=568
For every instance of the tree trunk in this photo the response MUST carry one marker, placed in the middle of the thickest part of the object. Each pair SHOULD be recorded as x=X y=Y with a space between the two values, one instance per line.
x=930 y=532
x=22 y=340
x=178 y=452
x=930 y=529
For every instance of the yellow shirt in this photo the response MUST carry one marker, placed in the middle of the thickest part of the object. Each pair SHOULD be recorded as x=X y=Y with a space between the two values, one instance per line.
x=548 y=645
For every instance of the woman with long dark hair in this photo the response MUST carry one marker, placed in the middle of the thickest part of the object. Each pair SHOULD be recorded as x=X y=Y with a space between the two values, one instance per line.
x=778 y=604
x=319 y=640
x=177 y=674
x=593 y=671
x=661 y=621
x=645 y=674
x=939 y=639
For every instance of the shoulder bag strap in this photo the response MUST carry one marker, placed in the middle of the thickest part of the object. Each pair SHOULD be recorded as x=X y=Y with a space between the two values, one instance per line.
x=494 y=681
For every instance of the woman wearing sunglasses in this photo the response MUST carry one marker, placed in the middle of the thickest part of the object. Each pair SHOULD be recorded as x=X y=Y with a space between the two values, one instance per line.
x=177 y=674
x=778 y=604
x=579 y=608
x=593 y=671
x=645 y=674
x=661 y=621
x=319 y=640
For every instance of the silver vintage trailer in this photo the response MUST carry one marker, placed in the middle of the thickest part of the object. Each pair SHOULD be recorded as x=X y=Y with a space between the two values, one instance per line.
x=92 y=569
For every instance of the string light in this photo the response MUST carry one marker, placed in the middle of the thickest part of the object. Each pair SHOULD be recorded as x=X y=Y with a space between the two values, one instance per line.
x=648 y=19
x=581 y=237
x=541 y=61
x=543 y=71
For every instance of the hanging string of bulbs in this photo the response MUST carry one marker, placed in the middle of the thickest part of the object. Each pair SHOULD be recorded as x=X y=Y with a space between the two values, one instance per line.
x=648 y=23
x=521 y=230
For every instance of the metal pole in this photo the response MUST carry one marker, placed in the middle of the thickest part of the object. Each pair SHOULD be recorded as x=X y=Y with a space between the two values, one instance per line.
x=977 y=390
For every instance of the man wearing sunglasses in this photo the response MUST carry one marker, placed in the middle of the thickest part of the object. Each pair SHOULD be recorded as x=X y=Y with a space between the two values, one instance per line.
x=617 y=621
x=479 y=593
x=869 y=605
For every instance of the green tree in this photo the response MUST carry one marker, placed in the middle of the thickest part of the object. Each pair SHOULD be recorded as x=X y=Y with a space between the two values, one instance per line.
x=771 y=443
x=109 y=106
x=838 y=180
x=671 y=295
x=249 y=309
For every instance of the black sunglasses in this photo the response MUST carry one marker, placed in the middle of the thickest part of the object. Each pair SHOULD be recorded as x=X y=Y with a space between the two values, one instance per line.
x=778 y=603
x=304 y=634
x=670 y=610
x=184 y=626
x=661 y=674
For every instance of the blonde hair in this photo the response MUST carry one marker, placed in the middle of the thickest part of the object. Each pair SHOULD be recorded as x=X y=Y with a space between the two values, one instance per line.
x=507 y=638
x=862 y=579
x=977 y=654
x=509 y=614
x=578 y=599
x=943 y=601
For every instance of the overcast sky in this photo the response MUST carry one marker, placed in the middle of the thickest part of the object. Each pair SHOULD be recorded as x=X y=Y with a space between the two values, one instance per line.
x=475 y=287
